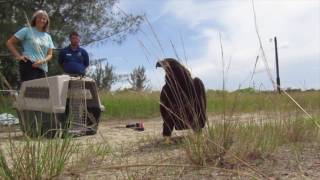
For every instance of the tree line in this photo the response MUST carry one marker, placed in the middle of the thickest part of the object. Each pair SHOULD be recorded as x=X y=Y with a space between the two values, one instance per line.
x=105 y=76
x=98 y=21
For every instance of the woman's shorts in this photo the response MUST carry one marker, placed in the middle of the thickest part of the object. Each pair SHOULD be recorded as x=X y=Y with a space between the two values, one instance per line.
x=27 y=72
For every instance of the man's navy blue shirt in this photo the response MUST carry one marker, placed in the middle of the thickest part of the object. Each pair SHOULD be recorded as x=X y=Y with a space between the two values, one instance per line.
x=74 y=61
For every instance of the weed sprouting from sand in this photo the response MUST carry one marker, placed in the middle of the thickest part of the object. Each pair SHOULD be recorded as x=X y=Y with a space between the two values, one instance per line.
x=251 y=139
x=35 y=158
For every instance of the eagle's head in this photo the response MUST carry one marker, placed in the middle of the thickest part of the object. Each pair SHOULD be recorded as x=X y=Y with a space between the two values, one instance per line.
x=173 y=68
x=167 y=63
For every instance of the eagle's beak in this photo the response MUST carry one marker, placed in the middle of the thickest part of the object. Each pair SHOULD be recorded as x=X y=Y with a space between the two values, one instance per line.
x=158 y=64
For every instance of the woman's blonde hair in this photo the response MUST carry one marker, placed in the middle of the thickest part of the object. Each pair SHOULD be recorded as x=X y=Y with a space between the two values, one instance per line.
x=42 y=13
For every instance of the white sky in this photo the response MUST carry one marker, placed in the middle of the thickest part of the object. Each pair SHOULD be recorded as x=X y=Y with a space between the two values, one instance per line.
x=197 y=23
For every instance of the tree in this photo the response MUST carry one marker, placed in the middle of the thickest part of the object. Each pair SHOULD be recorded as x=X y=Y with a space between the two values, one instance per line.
x=7 y=66
x=138 y=79
x=103 y=74
x=96 y=20
x=109 y=77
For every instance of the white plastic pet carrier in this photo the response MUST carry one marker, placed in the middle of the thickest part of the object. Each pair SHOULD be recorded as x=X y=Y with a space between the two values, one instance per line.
x=59 y=105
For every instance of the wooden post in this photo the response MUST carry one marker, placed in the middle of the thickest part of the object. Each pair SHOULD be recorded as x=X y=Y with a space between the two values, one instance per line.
x=277 y=65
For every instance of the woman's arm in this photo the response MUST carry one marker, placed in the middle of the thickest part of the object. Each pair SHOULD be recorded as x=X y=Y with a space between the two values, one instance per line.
x=11 y=46
x=49 y=56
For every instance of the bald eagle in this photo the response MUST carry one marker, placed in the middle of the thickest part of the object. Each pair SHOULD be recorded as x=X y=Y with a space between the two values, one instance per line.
x=182 y=99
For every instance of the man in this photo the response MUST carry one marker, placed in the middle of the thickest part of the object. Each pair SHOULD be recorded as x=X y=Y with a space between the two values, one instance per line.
x=73 y=59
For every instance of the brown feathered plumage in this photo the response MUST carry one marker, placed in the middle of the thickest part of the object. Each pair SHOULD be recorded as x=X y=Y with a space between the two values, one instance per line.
x=182 y=99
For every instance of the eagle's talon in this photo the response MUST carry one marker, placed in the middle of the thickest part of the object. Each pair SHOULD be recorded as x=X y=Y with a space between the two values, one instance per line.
x=167 y=141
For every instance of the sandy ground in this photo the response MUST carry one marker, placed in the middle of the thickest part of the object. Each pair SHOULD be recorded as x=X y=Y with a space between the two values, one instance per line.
x=139 y=148
x=147 y=148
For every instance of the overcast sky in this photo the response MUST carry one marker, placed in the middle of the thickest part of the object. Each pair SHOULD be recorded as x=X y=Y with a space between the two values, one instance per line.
x=193 y=27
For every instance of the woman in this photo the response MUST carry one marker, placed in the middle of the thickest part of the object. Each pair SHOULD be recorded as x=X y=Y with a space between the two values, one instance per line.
x=37 y=47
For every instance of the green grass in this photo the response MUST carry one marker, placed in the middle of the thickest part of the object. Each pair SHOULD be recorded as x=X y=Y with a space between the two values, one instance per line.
x=6 y=105
x=270 y=122
x=236 y=142
x=129 y=104
x=260 y=101
x=35 y=159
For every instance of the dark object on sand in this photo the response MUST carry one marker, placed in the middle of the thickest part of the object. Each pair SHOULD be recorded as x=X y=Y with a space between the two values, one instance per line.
x=133 y=125
x=136 y=126
x=182 y=99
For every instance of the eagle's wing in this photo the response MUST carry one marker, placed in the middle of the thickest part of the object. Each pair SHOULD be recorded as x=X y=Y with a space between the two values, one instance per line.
x=166 y=107
x=200 y=102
